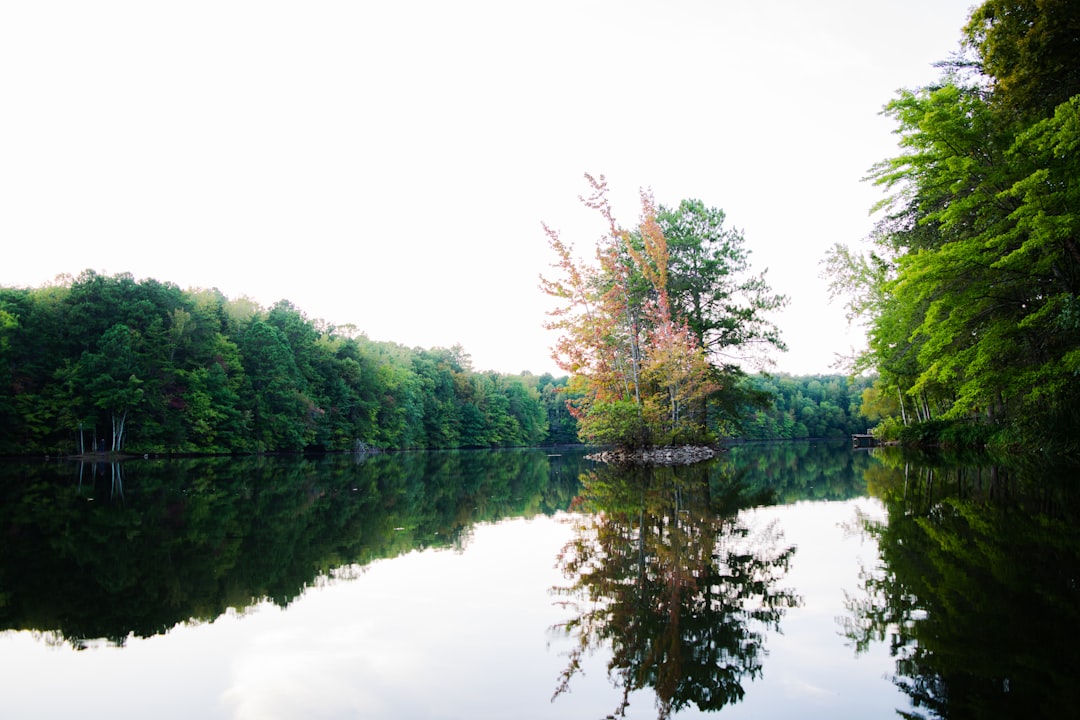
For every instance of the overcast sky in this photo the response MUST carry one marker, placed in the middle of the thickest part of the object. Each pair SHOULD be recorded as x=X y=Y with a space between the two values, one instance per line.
x=389 y=164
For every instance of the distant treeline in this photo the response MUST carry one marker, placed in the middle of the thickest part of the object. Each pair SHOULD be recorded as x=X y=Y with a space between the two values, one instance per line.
x=811 y=406
x=111 y=363
x=108 y=363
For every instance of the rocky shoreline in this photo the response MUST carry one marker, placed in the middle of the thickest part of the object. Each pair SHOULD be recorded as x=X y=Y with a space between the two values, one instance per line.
x=666 y=455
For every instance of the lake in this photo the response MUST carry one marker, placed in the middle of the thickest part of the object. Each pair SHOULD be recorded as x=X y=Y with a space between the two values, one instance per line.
x=781 y=580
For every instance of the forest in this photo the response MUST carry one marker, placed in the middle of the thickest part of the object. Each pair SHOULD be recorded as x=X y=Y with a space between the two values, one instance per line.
x=110 y=363
x=813 y=406
x=114 y=364
x=968 y=284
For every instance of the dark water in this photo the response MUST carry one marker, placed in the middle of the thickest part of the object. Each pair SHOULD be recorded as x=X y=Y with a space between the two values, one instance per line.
x=782 y=580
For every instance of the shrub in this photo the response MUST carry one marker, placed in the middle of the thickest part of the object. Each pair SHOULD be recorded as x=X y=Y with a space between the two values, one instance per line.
x=614 y=423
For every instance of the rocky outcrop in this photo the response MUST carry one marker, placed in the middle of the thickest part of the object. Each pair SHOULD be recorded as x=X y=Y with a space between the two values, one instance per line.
x=667 y=455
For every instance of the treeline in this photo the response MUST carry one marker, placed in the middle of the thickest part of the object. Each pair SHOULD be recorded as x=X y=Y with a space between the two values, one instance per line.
x=111 y=363
x=811 y=406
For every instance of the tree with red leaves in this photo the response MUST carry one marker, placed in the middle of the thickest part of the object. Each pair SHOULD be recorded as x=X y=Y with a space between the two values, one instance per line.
x=637 y=373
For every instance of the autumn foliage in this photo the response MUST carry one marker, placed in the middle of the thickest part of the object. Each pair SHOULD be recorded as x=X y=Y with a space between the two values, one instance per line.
x=638 y=375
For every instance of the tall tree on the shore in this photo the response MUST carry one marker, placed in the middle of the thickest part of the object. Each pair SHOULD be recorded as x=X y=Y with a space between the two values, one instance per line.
x=112 y=379
x=970 y=297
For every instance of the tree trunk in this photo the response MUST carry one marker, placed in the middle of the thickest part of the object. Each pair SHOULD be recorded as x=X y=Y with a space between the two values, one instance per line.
x=118 y=431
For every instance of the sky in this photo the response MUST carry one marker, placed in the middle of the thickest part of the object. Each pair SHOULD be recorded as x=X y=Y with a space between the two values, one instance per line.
x=389 y=165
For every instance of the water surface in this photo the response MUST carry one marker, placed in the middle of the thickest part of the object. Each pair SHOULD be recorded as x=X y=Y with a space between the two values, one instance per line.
x=783 y=580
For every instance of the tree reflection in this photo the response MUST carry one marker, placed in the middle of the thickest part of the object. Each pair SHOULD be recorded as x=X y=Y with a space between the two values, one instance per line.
x=664 y=572
x=978 y=590
x=111 y=550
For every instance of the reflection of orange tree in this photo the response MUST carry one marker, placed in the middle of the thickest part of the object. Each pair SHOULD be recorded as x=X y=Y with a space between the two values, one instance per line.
x=666 y=573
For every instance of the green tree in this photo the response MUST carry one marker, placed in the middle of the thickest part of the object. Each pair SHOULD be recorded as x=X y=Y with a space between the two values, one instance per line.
x=562 y=427
x=281 y=414
x=1028 y=47
x=969 y=293
x=711 y=288
x=9 y=324
x=215 y=419
x=112 y=380
x=724 y=306
x=817 y=406
x=193 y=371
x=436 y=371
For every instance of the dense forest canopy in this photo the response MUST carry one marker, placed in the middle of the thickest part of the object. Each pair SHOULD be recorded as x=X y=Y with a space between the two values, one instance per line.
x=969 y=289
x=111 y=363
x=813 y=406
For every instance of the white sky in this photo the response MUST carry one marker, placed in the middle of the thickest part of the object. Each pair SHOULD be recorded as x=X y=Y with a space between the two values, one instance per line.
x=389 y=164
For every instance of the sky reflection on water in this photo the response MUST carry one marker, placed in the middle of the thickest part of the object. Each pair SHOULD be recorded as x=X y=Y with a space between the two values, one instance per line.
x=452 y=634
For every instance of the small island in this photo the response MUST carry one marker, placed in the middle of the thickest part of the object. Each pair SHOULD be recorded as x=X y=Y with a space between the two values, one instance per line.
x=666 y=455
x=644 y=325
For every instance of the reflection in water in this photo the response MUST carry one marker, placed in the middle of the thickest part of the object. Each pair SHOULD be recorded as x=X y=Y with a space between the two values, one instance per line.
x=663 y=572
x=795 y=471
x=135 y=548
x=97 y=471
x=978 y=591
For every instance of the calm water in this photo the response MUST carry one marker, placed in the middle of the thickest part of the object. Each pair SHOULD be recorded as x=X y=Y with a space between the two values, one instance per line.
x=787 y=580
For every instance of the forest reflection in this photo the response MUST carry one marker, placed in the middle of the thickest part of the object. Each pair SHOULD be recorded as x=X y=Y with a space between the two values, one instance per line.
x=978 y=586
x=664 y=573
x=113 y=550
x=96 y=472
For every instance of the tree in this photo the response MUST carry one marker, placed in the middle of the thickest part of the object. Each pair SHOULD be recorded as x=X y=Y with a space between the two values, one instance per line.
x=635 y=368
x=1029 y=49
x=9 y=325
x=969 y=292
x=112 y=379
x=281 y=414
x=808 y=406
x=724 y=307
x=164 y=370
x=562 y=427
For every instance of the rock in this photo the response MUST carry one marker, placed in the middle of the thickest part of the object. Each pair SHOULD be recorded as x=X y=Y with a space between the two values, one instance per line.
x=666 y=455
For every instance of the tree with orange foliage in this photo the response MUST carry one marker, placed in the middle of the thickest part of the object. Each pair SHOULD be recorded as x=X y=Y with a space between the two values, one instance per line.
x=635 y=371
